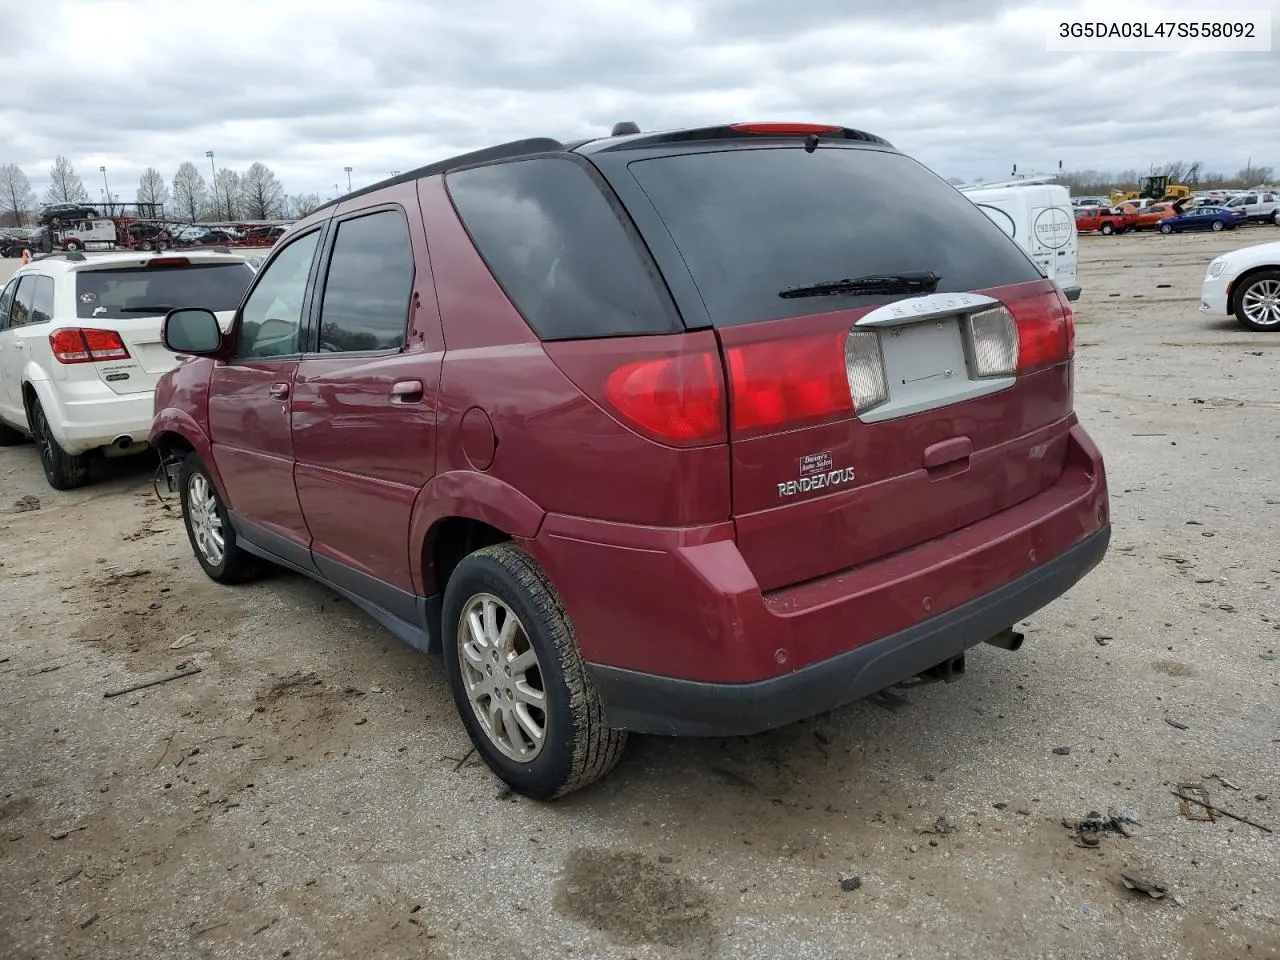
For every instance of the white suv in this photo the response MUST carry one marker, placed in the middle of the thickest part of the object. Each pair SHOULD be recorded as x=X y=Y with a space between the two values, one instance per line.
x=80 y=349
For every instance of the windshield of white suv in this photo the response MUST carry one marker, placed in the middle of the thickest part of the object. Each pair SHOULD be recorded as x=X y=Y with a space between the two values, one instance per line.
x=137 y=291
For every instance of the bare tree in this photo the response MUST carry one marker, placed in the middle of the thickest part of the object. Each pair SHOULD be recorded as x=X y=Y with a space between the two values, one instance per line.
x=152 y=188
x=303 y=204
x=261 y=192
x=16 y=197
x=1252 y=176
x=228 y=200
x=65 y=185
x=189 y=192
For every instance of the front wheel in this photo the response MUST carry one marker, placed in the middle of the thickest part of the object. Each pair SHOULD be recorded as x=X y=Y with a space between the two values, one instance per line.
x=63 y=470
x=1166 y=228
x=1258 y=302
x=518 y=680
x=1107 y=229
x=213 y=540
x=1218 y=225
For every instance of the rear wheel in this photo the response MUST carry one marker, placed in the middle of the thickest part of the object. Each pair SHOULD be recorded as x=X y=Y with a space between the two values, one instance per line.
x=1258 y=301
x=1217 y=225
x=146 y=245
x=1107 y=229
x=518 y=680
x=213 y=540
x=71 y=246
x=1166 y=228
x=63 y=470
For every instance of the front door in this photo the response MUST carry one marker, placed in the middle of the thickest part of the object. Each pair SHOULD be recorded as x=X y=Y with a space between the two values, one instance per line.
x=364 y=403
x=249 y=398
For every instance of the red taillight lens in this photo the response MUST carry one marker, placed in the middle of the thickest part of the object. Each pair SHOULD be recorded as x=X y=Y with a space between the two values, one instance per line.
x=73 y=345
x=168 y=262
x=789 y=380
x=679 y=398
x=785 y=129
x=1046 y=331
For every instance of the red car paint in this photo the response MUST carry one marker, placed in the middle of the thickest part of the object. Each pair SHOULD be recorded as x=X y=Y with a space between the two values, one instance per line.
x=673 y=556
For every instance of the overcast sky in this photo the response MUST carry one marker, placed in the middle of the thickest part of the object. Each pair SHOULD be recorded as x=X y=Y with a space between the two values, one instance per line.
x=312 y=86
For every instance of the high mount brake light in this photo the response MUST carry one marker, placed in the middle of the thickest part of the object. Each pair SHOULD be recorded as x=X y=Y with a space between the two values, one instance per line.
x=785 y=129
x=76 y=345
x=168 y=262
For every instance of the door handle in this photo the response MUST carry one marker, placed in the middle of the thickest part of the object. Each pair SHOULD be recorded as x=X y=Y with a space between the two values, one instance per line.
x=406 y=391
x=279 y=391
x=947 y=452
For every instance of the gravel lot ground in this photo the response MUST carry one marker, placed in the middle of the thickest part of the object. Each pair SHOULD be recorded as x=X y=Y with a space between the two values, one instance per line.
x=308 y=794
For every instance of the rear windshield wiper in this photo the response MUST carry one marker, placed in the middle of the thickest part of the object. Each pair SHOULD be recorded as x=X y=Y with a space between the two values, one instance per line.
x=916 y=281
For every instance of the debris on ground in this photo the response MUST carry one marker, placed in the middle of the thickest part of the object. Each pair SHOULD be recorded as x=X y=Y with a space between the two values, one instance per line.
x=1088 y=832
x=1176 y=724
x=184 y=670
x=1194 y=793
x=1134 y=882
x=184 y=641
x=849 y=884
x=1062 y=751
x=1222 y=780
x=1212 y=809
x=1101 y=639
x=24 y=504
x=942 y=826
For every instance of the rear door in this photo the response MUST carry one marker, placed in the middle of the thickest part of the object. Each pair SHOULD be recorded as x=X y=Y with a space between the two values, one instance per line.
x=11 y=361
x=122 y=308
x=1053 y=235
x=364 y=395
x=861 y=423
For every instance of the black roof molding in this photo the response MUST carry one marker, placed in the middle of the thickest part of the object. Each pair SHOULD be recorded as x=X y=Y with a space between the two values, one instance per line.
x=504 y=151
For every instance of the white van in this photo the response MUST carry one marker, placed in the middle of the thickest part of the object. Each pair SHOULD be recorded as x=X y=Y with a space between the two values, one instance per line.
x=1039 y=217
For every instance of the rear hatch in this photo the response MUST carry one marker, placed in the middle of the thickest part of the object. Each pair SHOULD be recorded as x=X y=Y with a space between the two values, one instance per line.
x=122 y=308
x=895 y=371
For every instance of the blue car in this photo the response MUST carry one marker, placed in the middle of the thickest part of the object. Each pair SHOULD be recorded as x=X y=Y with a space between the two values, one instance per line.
x=1202 y=218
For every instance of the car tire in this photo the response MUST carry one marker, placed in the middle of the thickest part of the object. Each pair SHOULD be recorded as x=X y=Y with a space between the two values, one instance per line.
x=1106 y=229
x=1217 y=225
x=73 y=246
x=146 y=245
x=207 y=523
x=560 y=706
x=1262 y=285
x=1166 y=228
x=63 y=470
x=11 y=437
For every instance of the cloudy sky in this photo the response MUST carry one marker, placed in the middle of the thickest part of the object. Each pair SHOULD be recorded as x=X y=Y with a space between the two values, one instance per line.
x=312 y=86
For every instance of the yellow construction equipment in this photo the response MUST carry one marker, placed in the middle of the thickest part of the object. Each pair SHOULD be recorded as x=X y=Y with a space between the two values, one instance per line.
x=1155 y=188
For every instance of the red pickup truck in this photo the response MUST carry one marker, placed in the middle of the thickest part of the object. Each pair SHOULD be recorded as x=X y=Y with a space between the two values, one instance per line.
x=1104 y=220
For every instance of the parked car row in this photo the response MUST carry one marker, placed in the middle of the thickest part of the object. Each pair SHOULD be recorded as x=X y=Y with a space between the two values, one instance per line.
x=1165 y=217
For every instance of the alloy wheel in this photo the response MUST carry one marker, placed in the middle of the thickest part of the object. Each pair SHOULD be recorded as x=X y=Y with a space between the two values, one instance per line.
x=206 y=522
x=502 y=677
x=1261 y=303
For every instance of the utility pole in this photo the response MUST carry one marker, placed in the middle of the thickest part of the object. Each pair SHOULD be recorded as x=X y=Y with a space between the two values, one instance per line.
x=348 y=169
x=106 y=186
x=213 y=172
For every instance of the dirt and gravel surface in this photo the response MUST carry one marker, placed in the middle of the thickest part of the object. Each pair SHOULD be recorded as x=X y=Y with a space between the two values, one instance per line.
x=309 y=792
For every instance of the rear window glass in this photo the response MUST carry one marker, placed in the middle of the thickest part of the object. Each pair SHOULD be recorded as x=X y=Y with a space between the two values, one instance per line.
x=561 y=253
x=751 y=223
x=142 y=291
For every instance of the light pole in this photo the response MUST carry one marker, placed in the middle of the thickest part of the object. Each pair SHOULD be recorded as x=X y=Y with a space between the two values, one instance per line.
x=213 y=172
x=106 y=186
x=348 y=169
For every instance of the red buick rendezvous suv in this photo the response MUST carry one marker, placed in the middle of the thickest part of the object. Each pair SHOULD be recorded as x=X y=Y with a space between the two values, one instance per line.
x=695 y=433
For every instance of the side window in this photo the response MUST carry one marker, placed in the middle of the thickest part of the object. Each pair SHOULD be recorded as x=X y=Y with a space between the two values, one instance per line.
x=20 y=315
x=272 y=316
x=6 y=303
x=560 y=252
x=42 y=300
x=366 y=293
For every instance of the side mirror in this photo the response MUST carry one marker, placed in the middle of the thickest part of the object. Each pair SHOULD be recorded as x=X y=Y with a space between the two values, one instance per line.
x=192 y=330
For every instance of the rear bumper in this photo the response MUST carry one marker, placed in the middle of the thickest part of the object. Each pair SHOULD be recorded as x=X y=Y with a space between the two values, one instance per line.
x=647 y=703
x=674 y=626
x=87 y=414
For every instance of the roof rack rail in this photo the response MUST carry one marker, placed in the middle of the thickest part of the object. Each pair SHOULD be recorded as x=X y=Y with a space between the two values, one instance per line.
x=503 y=151
x=75 y=256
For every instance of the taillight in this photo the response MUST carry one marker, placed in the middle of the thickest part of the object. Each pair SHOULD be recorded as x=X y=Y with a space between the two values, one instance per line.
x=789 y=380
x=678 y=398
x=74 y=345
x=1023 y=335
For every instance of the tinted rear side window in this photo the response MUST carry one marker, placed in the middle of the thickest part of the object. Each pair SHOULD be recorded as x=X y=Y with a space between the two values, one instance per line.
x=750 y=223
x=366 y=295
x=143 y=291
x=560 y=251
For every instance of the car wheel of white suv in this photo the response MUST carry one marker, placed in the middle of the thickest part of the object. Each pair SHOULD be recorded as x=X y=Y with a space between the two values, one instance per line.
x=63 y=470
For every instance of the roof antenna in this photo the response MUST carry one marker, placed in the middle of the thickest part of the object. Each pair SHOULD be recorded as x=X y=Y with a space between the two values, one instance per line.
x=624 y=127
